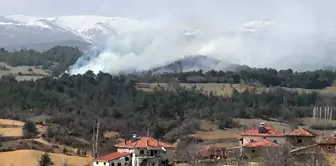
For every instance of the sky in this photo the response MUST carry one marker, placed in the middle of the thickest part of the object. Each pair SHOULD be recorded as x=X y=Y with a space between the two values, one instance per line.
x=225 y=9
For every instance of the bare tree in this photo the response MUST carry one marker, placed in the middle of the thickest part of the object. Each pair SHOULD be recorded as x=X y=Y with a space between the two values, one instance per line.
x=275 y=156
x=234 y=157
x=312 y=156
x=306 y=156
x=188 y=153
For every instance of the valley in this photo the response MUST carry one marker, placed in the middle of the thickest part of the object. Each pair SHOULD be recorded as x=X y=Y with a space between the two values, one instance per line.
x=211 y=107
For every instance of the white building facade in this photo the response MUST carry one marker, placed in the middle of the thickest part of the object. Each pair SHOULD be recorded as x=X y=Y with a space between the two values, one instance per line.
x=142 y=151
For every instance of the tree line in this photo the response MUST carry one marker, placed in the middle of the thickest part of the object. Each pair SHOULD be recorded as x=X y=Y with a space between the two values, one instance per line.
x=267 y=77
x=75 y=102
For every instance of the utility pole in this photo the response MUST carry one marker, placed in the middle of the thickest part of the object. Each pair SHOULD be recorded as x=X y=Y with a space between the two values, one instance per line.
x=93 y=140
x=97 y=135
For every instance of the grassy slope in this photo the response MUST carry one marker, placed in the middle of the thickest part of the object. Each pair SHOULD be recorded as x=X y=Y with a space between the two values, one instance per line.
x=224 y=89
x=24 y=70
x=14 y=128
x=30 y=157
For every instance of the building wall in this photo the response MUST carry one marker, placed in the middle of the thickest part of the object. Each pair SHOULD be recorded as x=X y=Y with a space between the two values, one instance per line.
x=161 y=155
x=280 y=140
x=119 y=162
x=259 y=151
x=125 y=150
x=301 y=141
x=101 y=163
x=328 y=148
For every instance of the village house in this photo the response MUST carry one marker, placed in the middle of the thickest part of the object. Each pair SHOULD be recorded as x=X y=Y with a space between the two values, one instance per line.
x=301 y=137
x=258 y=148
x=140 y=151
x=328 y=144
x=114 y=159
x=261 y=133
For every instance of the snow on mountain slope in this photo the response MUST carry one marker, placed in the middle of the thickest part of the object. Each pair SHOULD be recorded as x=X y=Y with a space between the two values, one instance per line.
x=93 y=29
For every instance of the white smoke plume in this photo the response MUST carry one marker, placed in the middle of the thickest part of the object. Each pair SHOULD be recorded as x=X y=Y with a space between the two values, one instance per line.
x=291 y=38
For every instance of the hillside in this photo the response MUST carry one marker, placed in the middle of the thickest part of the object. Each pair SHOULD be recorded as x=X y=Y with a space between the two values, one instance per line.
x=220 y=106
x=225 y=89
x=30 y=157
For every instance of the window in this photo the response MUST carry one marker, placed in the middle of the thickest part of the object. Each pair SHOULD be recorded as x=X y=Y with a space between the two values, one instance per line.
x=253 y=150
x=299 y=141
x=119 y=164
x=125 y=163
x=126 y=158
x=251 y=140
x=97 y=162
x=141 y=151
x=329 y=147
x=275 y=141
x=112 y=164
x=104 y=163
x=264 y=137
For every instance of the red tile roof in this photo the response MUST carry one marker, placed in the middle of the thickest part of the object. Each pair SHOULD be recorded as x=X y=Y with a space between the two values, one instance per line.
x=144 y=142
x=270 y=132
x=262 y=143
x=113 y=156
x=301 y=132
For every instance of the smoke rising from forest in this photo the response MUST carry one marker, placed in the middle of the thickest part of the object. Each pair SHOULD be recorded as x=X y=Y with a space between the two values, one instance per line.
x=290 y=37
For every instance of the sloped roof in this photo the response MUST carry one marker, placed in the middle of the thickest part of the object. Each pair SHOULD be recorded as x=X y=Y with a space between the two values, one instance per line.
x=113 y=156
x=270 y=132
x=262 y=143
x=144 y=142
x=301 y=132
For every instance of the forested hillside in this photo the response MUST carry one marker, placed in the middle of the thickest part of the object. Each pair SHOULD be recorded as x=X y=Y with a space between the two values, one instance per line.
x=75 y=102
x=57 y=59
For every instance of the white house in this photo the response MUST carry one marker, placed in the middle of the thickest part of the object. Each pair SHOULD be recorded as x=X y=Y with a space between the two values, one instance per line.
x=143 y=151
x=114 y=159
x=263 y=132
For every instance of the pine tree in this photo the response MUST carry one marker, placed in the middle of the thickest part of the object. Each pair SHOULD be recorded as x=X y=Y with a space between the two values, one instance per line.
x=45 y=160
x=29 y=129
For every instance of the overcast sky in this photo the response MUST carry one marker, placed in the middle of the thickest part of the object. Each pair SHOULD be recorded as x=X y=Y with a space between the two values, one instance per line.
x=224 y=9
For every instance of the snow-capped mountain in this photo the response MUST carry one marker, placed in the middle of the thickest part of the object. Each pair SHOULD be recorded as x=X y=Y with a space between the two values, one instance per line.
x=20 y=29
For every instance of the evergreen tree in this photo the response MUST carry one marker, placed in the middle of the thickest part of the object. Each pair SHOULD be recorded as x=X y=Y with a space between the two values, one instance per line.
x=45 y=160
x=29 y=129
